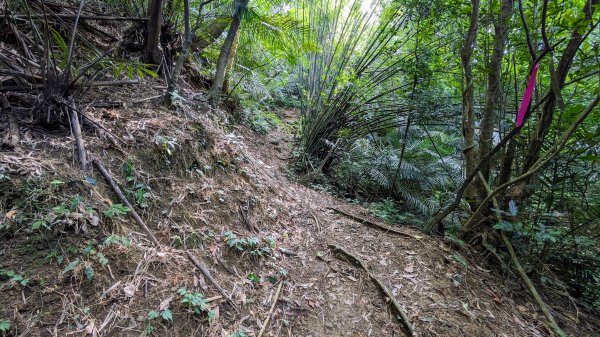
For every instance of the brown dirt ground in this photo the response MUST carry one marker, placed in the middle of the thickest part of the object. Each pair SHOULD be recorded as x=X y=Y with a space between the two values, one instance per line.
x=216 y=169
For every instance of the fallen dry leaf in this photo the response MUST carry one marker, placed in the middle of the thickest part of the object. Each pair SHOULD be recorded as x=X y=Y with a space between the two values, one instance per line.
x=10 y=215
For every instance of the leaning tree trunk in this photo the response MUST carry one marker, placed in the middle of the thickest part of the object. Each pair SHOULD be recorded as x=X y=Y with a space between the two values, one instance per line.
x=217 y=84
x=493 y=94
x=230 y=60
x=468 y=101
x=152 y=54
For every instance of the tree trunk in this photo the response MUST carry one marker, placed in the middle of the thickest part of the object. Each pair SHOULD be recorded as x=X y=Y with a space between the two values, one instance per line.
x=564 y=66
x=152 y=54
x=493 y=94
x=230 y=60
x=185 y=48
x=217 y=84
x=468 y=101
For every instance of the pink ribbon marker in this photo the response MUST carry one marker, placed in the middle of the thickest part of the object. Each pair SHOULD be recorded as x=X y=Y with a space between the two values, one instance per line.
x=527 y=96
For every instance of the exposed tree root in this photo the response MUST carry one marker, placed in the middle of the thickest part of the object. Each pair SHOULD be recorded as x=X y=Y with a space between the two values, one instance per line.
x=121 y=196
x=404 y=317
x=373 y=224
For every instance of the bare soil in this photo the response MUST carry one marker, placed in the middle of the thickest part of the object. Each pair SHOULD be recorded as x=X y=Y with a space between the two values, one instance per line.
x=219 y=177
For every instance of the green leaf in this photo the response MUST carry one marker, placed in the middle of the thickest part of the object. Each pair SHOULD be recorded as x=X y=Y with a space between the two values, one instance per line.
x=89 y=273
x=4 y=325
x=37 y=224
x=116 y=209
x=61 y=210
x=152 y=315
x=149 y=329
x=71 y=266
x=166 y=315
x=238 y=333
x=212 y=315
x=102 y=259
x=57 y=182
x=253 y=277
x=182 y=291
x=149 y=72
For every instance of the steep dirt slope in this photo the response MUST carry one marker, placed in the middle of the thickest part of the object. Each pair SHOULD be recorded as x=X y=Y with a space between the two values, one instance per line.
x=222 y=192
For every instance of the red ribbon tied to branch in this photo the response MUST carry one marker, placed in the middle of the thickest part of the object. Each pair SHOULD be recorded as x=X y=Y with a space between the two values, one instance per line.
x=527 y=96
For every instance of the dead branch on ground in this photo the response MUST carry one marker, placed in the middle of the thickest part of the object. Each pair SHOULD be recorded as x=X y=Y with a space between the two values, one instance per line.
x=264 y=327
x=76 y=132
x=121 y=196
x=206 y=274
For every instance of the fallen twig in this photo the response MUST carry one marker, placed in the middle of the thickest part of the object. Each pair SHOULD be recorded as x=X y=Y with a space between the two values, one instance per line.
x=317 y=223
x=404 y=318
x=76 y=131
x=373 y=224
x=287 y=252
x=264 y=327
x=121 y=196
x=206 y=274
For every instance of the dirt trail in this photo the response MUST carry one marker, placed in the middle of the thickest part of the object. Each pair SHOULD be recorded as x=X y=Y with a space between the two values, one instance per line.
x=214 y=184
x=442 y=292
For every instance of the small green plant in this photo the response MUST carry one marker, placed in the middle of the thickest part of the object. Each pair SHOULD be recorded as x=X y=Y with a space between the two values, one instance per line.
x=115 y=210
x=70 y=209
x=88 y=256
x=14 y=278
x=117 y=240
x=250 y=244
x=4 y=176
x=140 y=191
x=4 y=326
x=167 y=144
x=197 y=303
x=152 y=315
x=387 y=211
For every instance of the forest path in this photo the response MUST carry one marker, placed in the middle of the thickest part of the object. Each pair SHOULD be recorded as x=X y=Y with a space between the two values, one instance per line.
x=197 y=197
x=442 y=293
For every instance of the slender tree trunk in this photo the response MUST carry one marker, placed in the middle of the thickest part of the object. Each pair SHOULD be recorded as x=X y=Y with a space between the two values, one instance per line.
x=493 y=94
x=230 y=61
x=468 y=101
x=152 y=54
x=187 y=41
x=217 y=85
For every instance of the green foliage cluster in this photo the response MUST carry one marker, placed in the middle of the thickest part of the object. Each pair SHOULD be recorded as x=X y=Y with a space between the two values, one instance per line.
x=255 y=246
